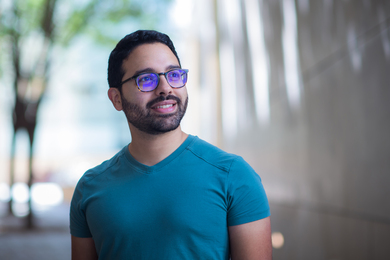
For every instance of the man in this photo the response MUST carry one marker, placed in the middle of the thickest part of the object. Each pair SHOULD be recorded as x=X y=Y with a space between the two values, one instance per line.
x=166 y=195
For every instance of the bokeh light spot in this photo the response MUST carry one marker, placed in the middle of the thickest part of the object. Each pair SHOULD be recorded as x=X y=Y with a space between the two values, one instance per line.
x=277 y=240
x=20 y=192
x=46 y=194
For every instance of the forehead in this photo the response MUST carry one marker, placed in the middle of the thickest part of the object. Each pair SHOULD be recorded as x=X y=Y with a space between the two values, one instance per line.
x=153 y=56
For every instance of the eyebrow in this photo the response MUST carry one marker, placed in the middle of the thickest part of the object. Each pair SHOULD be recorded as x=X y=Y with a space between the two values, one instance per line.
x=146 y=70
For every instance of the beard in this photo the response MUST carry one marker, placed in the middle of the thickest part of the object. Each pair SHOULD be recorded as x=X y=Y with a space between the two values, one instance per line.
x=150 y=123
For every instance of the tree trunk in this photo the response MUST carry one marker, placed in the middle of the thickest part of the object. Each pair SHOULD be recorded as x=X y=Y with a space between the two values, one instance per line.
x=24 y=117
x=12 y=169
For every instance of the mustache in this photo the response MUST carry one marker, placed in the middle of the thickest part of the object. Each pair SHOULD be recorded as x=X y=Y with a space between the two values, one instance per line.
x=163 y=98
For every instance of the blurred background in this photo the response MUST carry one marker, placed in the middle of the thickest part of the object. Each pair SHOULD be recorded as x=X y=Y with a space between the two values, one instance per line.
x=299 y=88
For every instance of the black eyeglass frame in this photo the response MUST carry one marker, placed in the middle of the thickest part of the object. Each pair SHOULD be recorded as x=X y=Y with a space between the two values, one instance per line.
x=158 y=78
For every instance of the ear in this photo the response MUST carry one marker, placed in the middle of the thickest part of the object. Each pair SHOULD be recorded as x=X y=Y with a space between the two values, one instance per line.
x=115 y=96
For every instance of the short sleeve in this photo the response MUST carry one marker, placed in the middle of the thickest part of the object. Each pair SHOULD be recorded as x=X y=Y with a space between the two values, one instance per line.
x=78 y=222
x=247 y=200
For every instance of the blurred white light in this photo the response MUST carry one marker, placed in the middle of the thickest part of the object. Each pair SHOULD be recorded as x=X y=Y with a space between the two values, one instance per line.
x=228 y=80
x=5 y=193
x=277 y=240
x=46 y=194
x=354 y=48
x=291 y=53
x=385 y=34
x=20 y=192
x=260 y=71
x=182 y=13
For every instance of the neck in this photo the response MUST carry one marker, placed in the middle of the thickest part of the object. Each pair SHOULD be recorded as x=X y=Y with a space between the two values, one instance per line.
x=152 y=149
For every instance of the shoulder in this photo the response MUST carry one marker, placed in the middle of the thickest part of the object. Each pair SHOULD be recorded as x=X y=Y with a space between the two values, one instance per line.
x=104 y=168
x=93 y=180
x=213 y=155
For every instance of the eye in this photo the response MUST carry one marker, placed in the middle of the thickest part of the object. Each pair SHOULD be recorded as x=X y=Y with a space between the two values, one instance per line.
x=145 y=78
x=174 y=75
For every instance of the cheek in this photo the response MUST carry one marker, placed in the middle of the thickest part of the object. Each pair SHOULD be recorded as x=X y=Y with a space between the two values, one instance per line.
x=182 y=93
x=137 y=97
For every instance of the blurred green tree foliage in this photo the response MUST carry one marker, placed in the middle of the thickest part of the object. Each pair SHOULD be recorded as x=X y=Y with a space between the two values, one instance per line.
x=29 y=29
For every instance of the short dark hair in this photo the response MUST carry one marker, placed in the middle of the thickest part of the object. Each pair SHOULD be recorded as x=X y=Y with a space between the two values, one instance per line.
x=126 y=46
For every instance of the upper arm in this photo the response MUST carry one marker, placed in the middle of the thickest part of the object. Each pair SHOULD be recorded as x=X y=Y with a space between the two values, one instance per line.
x=251 y=240
x=83 y=248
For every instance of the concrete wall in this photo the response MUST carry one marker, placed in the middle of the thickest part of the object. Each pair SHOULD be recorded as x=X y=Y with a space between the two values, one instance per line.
x=323 y=150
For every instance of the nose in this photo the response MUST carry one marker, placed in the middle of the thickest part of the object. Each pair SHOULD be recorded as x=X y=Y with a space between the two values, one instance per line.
x=163 y=88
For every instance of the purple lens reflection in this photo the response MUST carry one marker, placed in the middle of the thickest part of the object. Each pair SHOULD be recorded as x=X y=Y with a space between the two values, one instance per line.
x=147 y=82
x=177 y=78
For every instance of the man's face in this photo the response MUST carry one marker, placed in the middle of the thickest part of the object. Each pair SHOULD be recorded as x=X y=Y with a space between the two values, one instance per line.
x=162 y=109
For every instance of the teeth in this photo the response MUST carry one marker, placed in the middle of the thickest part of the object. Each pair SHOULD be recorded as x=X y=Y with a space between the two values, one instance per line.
x=165 y=106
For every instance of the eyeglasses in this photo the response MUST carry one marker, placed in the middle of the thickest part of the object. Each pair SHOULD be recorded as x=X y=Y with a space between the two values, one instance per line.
x=176 y=78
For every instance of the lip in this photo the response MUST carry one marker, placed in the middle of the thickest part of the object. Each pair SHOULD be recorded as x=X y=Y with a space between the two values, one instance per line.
x=167 y=106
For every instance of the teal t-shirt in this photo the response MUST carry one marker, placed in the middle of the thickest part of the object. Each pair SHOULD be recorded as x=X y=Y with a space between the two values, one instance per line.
x=179 y=208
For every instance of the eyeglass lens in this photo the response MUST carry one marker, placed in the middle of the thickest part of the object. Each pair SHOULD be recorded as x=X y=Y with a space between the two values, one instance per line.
x=149 y=81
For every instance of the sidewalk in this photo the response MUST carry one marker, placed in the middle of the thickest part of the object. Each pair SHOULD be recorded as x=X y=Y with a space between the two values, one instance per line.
x=50 y=239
